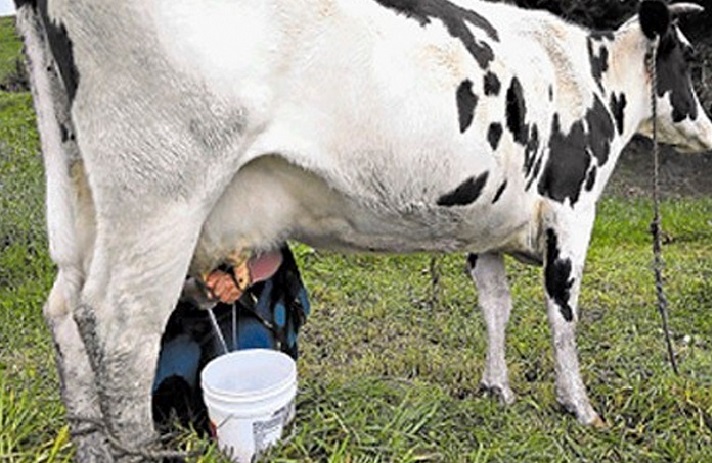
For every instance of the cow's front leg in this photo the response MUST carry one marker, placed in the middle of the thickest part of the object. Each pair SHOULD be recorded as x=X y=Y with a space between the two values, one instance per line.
x=244 y=270
x=495 y=301
x=567 y=237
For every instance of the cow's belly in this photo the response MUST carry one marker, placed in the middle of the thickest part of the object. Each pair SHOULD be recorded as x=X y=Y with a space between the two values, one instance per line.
x=270 y=201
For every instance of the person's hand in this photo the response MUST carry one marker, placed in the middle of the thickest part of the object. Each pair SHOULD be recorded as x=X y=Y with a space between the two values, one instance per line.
x=228 y=286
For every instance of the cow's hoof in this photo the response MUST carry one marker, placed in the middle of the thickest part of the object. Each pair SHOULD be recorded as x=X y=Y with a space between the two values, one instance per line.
x=598 y=423
x=503 y=393
x=585 y=415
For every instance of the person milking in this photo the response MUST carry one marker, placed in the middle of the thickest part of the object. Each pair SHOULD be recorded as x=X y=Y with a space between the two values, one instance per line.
x=260 y=303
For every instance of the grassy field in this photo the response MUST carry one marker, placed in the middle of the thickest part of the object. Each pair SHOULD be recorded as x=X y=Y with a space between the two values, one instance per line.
x=390 y=365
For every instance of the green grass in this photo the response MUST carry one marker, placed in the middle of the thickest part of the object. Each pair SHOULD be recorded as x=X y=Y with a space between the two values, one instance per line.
x=9 y=46
x=388 y=373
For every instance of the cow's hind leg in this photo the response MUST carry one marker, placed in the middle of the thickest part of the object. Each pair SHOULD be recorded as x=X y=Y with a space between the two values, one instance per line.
x=567 y=236
x=137 y=272
x=78 y=386
x=66 y=247
x=495 y=301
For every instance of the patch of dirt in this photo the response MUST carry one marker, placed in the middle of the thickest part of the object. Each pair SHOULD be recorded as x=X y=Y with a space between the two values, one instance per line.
x=681 y=175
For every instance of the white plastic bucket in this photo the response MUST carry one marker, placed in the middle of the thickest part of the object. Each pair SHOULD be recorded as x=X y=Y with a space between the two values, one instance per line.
x=250 y=396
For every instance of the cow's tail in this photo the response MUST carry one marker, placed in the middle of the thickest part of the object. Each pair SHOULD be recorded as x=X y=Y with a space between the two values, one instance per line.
x=68 y=222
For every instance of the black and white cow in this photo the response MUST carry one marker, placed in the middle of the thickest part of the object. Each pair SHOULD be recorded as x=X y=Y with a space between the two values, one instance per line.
x=179 y=135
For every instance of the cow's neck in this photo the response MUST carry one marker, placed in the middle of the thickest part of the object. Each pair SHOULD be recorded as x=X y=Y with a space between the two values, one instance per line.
x=627 y=77
x=625 y=90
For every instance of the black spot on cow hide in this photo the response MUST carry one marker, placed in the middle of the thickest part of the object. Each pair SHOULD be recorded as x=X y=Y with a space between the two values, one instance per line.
x=491 y=84
x=531 y=150
x=557 y=276
x=674 y=77
x=455 y=19
x=570 y=155
x=600 y=131
x=494 y=134
x=500 y=191
x=567 y=164
x=466 y=103
x=466 y=193
x=535 y=173
x=516 y=111
x=598 y=54
x=62 y=50
x=618 y=109
x=591 y=178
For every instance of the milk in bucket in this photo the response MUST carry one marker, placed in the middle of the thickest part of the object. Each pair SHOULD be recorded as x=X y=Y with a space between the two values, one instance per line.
x=250 y=395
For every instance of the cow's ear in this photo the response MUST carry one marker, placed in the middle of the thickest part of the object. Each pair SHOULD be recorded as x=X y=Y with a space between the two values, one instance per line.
x=654 y=17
